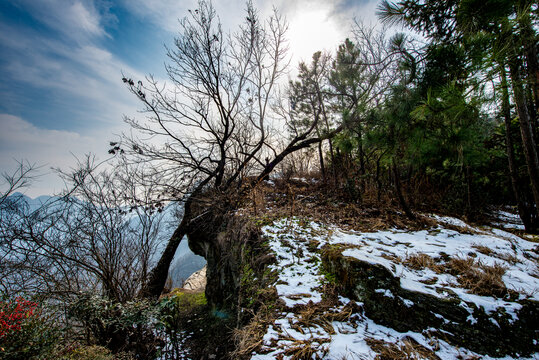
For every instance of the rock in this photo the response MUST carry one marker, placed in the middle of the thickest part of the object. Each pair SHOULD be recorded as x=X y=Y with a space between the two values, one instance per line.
x=387 y=303
x=197 y=281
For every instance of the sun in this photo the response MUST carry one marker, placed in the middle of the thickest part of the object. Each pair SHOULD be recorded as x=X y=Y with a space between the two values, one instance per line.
x=311 y=31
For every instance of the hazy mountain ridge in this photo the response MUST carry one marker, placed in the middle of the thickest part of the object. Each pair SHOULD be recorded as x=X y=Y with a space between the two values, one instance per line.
x=185 y=261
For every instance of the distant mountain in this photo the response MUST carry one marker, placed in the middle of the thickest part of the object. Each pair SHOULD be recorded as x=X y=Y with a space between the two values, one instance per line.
x=33 y=204
x=185 y=261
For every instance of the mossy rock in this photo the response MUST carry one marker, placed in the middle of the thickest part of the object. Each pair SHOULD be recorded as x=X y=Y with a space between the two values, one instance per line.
x=387 y=303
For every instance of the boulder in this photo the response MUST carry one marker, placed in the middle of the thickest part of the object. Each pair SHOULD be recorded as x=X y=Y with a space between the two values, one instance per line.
x=197 y=281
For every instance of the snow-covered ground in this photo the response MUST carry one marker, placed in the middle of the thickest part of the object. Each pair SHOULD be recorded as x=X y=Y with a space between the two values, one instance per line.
x=295 y=244
x=508 y=220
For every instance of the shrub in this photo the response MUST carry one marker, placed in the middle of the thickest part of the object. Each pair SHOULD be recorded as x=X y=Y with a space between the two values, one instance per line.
x=93 y=352
x=27 y=331
x=126 y=327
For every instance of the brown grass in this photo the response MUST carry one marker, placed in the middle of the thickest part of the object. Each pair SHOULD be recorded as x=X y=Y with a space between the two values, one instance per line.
x=421 y=261
x=485 y=250
x=471 y=273
x=535 y=272
x=320 y=203
x=249 y=338
x=307 y=349
x=510 y=258
x=408 y=349
x=322 y=316
x=479 y=278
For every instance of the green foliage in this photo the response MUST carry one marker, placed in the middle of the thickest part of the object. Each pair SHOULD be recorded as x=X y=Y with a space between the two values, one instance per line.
x=452 y=131
x=330 y=277
x=263 y=220
x=28 y=330
x=174 y=314
x=119 y=327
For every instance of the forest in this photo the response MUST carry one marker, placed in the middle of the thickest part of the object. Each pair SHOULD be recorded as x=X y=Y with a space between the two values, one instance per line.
x=434 y=111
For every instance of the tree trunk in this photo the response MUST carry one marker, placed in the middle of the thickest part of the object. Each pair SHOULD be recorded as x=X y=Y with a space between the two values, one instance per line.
x=522 y=209
x=400 y=196
x=333 y=164
x=526 y=132
x=361 y=155
x=532 y=66
x=469 y=209
x=321 y=157
x=378 y=182
x=158 y=276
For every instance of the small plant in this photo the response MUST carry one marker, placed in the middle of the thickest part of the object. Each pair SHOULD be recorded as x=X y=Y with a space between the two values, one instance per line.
x=26 y=331
x=13 y=313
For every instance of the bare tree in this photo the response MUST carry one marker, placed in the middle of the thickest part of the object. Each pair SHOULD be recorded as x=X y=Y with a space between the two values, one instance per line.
x=88 y=239
x=210 y=127
x=13 y=211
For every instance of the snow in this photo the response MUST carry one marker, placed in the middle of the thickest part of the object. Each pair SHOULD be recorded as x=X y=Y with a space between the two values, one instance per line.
x=371 y=247
x=299 y=282
x=386 y=292
x=509 y=220
x=298 y=278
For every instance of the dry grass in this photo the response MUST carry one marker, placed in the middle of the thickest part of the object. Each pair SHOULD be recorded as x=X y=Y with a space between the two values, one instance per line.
x=485 y=250
x=461 y=266
x=510 y=258
x=421 y=261
x=306 y=349
x=535 y=272
x=320 y=203
x=321 y=315
x=250 y=337
x=479 y=278
x=343 y=315
x=408 y=349
x=471 y=274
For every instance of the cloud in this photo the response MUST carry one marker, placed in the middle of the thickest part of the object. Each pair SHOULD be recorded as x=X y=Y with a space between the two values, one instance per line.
x=78 y=20
x=314 y=24
x=84 y=78
x=163 y=13
x=70 y=80
x=20 y=140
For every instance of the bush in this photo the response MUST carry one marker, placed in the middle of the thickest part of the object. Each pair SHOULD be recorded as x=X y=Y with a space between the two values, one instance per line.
x=126 y=327
x=27 y=331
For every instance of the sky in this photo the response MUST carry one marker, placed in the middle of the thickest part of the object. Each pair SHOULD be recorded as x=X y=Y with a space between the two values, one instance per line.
x=61 y=64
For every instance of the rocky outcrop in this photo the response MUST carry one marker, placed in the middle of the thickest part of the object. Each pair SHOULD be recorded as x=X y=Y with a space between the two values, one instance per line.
x=234 y=250
x=197 y=281
x=459 y=323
